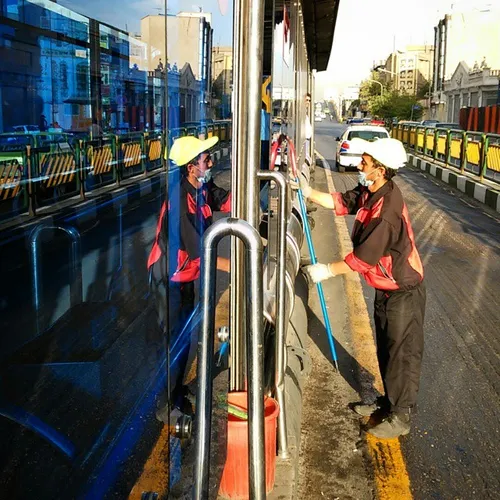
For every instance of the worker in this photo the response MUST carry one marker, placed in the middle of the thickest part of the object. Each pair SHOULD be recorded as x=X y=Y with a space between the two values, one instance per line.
x=384 y=253
x=189 y=215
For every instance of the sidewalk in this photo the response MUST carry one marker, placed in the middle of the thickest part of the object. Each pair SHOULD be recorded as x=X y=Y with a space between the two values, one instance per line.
x=337 y=459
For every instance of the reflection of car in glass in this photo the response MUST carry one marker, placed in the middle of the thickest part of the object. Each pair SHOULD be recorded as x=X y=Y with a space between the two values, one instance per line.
x=26 y=129
x=317 y=118
x=349 y=156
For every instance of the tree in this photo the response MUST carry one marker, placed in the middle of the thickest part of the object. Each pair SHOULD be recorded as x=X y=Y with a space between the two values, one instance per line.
x=424 y=90
x=394 y=104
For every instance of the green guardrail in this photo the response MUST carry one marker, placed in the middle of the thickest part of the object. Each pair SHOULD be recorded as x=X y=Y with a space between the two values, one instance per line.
x=42 y=168
x=469 y=151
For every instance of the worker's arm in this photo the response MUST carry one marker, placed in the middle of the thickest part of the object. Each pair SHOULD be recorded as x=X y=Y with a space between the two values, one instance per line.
x=320 y=272
x=223 y=264
x=341 y=203
x=322 y=199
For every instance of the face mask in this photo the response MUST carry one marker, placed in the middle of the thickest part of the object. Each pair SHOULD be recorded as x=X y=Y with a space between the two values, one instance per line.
x=363 y=180
x=205 y=178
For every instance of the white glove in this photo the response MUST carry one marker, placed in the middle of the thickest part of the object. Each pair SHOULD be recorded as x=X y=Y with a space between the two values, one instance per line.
x=318 y=272
x=302 y=184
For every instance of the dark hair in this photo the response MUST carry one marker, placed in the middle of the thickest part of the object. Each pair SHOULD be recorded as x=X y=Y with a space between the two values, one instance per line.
x=308 y=95
x=389 y=173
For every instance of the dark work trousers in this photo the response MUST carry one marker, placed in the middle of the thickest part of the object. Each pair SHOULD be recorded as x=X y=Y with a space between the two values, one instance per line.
x=399 y=321
x=180 y=305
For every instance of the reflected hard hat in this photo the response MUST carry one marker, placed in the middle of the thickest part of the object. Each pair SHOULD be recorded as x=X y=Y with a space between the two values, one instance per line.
x=187 y=148
x=390 y=152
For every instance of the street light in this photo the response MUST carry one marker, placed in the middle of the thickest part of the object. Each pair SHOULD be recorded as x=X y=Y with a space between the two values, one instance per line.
x=381 y=86
x=383 y=70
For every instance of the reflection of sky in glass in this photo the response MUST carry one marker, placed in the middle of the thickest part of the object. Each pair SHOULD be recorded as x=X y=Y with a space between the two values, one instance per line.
x=127 y=14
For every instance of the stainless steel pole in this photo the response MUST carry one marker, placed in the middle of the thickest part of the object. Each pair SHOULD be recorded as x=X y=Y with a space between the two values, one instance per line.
x=281 y=319
x=255 y=362
x=248 y=49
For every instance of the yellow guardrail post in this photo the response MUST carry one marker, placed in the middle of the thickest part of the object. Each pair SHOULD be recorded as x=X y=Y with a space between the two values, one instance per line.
x=143 y=153
x=463 y=152
x=80 y=174
x=483 y=162
x=435 y=144
x=31 y=187
x=116 y=156
x=447 y=149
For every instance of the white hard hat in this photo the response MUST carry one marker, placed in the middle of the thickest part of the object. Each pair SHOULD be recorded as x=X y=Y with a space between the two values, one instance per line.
x=390 y=152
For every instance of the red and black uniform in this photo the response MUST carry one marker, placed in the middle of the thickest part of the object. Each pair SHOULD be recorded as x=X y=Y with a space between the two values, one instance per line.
x=190 y=214
x=384 y=253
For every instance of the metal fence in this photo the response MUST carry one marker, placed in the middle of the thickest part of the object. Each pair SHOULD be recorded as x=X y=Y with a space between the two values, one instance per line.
x=473 y=152
x=41 y=169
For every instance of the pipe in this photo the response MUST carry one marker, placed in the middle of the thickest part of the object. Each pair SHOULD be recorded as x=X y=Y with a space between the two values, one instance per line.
x=319 y=286
x=281 y=319
x=255 y=357
x=248 y=60
x=76 y=286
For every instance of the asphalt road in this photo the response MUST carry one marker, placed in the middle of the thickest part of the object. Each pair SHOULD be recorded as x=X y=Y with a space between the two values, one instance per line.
x=452 y=451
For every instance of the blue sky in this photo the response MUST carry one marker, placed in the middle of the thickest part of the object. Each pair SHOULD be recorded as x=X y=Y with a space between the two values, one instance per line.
x=126 y=14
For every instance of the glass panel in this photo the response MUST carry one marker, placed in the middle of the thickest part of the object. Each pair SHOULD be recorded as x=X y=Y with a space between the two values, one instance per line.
x=83 y=358
x=199 y=66
x=103 y=263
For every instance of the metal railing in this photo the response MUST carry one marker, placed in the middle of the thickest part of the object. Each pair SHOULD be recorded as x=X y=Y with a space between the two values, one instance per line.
x=255 y=355
x=43 y=168
x=474 y=152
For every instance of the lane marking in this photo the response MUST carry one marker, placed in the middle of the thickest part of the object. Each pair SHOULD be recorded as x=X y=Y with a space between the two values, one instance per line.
x=391 y=476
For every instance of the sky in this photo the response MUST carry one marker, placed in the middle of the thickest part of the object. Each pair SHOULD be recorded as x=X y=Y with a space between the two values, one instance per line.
x=367 y=30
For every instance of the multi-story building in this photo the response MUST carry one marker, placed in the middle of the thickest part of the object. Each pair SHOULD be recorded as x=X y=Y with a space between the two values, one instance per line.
x=408 y=70
x=469 y=36
x=189 y=41
x=222 y=79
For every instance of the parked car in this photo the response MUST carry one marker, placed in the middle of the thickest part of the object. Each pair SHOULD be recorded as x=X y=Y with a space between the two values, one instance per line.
x=447 y=126
x=429 y=123
x=349 y=156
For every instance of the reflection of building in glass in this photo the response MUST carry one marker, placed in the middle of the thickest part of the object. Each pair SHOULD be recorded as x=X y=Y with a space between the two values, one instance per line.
x=222 y=80
x=189 y=47
x=60 y=67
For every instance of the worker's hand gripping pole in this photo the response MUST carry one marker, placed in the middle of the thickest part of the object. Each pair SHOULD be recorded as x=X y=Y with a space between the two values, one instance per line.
x=293 y=164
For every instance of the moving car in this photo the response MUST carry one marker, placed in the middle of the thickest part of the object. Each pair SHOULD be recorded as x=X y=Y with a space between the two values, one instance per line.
x=349 y=156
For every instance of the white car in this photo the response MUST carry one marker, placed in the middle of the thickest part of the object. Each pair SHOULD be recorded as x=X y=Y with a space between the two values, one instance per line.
x=349 y=156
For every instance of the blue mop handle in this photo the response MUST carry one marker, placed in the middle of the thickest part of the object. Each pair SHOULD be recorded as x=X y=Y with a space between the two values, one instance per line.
x=319 y=286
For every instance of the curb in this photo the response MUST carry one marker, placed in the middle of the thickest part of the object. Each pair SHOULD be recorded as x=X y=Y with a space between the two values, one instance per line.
x=476 y=190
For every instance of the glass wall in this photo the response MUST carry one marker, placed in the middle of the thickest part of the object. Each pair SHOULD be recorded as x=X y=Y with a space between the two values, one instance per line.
x=100 y=236
x=290 y=75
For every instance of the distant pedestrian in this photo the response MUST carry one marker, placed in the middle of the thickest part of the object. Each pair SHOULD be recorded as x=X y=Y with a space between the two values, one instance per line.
x=384 y=253
x=43 y=123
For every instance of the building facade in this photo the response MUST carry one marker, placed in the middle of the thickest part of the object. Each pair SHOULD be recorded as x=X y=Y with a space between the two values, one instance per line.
x=469 y=36
x=409 y=70
x=222 y=79
x=476 y=87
